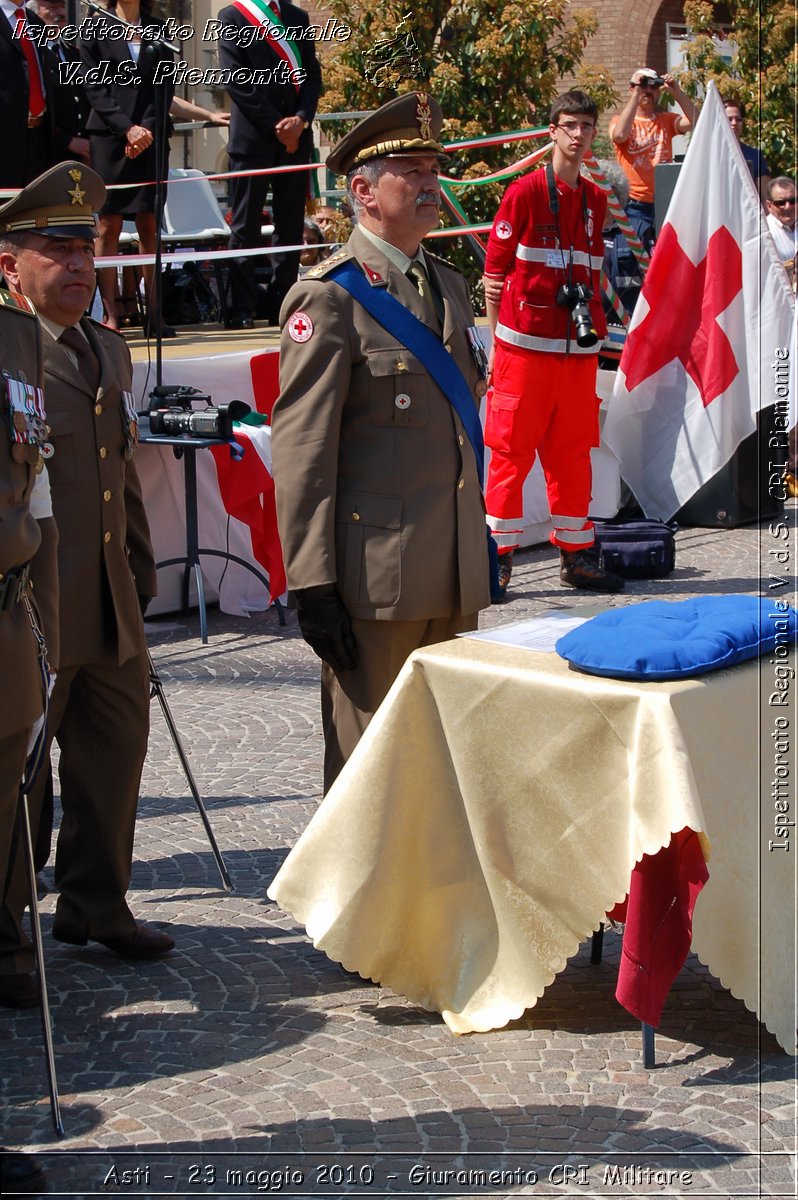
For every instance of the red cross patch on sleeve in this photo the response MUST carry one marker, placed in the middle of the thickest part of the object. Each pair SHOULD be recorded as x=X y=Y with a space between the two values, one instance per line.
x=300 y=327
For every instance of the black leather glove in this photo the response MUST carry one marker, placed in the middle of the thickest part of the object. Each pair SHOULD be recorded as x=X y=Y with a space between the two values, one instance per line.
x=326 y=626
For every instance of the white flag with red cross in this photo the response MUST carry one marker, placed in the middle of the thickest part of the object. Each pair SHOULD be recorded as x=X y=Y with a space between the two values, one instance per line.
x=710 y=342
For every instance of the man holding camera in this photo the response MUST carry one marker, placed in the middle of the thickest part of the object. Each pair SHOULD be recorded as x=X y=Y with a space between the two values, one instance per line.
x=99 y=709
x=643 y=137
x=544 y=306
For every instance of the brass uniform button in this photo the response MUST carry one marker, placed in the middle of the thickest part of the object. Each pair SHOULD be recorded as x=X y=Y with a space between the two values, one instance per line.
x=103 y=452
x=461 y=484
x=98 y=409
x=355 y=516
x=461 y=439
x=106 y=495
x=107 y=537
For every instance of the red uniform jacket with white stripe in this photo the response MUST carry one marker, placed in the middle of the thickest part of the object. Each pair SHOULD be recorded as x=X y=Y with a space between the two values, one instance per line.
x=529 y=248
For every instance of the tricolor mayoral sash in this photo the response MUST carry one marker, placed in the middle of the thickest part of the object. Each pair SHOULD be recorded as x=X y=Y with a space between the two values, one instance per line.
x=258 y=13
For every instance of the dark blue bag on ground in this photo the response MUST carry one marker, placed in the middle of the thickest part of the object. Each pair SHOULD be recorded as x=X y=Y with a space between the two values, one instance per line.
x=637 y=548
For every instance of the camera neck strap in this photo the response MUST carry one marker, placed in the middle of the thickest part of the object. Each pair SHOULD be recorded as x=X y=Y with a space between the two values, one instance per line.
x=554 y=204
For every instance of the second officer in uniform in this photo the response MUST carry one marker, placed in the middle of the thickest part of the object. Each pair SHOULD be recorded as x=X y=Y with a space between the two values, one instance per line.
x=99 y=712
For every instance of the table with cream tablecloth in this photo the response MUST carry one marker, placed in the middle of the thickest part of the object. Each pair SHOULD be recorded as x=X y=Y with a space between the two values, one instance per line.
x=496 y=808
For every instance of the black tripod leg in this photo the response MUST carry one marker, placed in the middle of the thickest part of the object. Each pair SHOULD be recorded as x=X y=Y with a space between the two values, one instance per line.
x=38 y=947
x=157 y=690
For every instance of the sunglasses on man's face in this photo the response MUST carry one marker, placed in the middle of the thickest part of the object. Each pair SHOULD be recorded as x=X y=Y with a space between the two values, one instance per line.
x=781 y=203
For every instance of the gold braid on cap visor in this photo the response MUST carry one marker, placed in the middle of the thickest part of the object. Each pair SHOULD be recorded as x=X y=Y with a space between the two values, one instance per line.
x=397 y=146
x=44 y=218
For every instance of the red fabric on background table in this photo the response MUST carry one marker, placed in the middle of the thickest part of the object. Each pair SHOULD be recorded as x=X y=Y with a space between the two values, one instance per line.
x=659 y=923
x=247 y=491
x=265 y=372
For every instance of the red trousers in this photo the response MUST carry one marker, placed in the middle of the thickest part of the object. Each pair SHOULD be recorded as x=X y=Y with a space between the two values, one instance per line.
x=541 y=404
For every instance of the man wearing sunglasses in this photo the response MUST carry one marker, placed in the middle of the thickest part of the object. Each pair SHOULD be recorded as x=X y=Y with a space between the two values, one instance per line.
x=781 y=216
x=643 y=137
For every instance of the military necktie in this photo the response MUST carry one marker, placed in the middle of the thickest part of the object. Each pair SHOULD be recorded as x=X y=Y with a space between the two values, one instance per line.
x=418 y=277
x=87 y=359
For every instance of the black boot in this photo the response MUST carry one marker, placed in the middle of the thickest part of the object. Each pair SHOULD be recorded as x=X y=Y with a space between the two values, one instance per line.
x=505 y=571
x=584 y=569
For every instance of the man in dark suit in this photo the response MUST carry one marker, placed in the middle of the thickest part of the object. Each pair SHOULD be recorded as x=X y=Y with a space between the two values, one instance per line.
x=99 y=709
x=34 y=138
x=71 y=103
x=270 y=126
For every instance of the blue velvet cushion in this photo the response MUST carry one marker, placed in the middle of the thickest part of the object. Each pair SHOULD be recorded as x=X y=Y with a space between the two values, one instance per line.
x=662 y=639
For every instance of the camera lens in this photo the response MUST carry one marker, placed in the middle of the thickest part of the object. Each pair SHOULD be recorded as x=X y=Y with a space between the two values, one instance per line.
x=586 y=335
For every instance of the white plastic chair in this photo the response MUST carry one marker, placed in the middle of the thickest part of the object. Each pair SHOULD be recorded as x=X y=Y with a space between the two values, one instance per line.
x=193 y=217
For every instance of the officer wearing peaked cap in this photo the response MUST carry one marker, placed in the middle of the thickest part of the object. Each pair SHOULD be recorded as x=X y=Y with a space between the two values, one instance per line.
x=99 y=709
x=378 y=498
x=410 y=124
x=60 y=203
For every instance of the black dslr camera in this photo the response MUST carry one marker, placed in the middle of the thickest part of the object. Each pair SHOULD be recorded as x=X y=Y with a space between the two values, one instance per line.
x=172 y=414
x=575 y=296
x=651 y=81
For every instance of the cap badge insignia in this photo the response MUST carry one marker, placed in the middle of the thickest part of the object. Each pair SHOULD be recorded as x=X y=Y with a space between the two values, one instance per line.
x=424 y=116
x=77 y=193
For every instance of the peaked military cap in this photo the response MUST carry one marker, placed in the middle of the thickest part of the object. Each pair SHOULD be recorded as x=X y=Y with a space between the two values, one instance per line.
x=60 y=203
x=408 y=124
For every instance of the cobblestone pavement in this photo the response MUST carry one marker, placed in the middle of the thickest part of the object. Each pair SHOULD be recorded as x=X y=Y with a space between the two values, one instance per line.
x=246 y=1052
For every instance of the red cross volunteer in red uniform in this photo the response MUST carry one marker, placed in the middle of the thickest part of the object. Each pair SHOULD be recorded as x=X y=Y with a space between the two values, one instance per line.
x=544 y=306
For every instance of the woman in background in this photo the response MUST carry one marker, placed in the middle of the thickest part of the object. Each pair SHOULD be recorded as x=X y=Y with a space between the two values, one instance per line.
x=122 y=132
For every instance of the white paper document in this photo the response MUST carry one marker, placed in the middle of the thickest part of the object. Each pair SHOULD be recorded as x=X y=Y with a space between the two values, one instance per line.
x=537 y=633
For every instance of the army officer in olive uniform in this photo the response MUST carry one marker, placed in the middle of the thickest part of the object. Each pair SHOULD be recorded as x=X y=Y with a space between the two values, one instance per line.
x=99 y=712
x=27 y=557
x=378 y=502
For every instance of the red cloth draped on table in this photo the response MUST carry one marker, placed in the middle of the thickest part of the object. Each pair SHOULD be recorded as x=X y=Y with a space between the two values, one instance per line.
x=659 y=923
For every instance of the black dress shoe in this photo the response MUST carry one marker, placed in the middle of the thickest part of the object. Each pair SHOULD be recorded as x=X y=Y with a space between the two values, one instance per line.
x=18 y=991
x=241 y=323
x=140 y=943
x=20 y=1173
x=505 y=571
x=584 y=569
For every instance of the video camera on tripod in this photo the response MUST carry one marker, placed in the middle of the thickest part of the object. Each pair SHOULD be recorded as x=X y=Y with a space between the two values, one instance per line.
x=172 y=414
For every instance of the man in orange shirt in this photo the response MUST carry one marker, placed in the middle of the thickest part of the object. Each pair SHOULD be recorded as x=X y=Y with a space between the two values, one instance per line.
x=643 y=137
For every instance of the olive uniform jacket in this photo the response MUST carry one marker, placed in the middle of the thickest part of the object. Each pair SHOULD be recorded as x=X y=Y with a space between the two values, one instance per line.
x=376 y=481
x=97 y=504
x=22 y=538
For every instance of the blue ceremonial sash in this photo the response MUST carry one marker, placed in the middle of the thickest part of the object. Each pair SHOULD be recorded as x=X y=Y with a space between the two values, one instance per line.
x=430 y=351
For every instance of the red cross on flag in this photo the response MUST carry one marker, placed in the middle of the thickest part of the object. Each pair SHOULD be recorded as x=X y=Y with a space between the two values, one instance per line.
x=714 y=322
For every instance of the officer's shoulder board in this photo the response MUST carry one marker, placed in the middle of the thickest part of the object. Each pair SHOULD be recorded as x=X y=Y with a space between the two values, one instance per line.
x=319 y=271
x=16 y=302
